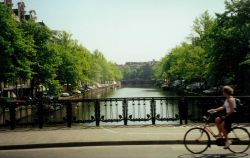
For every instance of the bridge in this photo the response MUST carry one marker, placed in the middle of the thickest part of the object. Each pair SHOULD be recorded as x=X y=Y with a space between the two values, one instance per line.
x=112 y=111
x=138 y=83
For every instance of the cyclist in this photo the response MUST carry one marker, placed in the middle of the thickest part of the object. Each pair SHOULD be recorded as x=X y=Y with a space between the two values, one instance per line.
x=224 y=123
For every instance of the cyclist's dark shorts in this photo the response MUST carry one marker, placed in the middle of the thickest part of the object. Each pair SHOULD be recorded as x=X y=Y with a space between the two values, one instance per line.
x=229 y=120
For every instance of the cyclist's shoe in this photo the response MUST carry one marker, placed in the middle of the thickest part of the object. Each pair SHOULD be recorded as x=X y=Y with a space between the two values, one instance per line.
x=227 y=144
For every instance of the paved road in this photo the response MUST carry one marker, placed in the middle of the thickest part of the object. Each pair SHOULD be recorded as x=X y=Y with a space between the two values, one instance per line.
x=78 y=136
x=96 y=134
x=142 y=151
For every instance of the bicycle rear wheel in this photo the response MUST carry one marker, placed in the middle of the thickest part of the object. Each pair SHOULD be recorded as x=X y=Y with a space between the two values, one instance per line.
x=240 y=138
x=196 y=140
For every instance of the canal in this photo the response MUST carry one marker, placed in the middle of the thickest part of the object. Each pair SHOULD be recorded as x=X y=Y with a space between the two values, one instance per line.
x=139 y=92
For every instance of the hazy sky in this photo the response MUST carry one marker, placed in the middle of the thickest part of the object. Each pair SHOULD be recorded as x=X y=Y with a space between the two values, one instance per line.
x=125 y=30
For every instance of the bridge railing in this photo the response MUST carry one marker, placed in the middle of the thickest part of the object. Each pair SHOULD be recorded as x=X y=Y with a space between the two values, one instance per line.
x=112 y=111
x=125 y=111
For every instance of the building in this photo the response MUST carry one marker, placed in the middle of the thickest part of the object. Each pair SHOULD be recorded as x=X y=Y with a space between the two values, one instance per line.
x=140 y=64
x=19 y=13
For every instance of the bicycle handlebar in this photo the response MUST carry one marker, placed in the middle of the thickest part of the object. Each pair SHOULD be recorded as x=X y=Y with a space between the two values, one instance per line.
x=207 y=118
x=211 y=111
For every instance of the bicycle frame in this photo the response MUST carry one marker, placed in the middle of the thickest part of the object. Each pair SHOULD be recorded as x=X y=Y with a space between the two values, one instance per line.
x=207 y=128
x=203 y=133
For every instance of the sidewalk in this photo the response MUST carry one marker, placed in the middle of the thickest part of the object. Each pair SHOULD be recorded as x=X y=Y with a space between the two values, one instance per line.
x=92 y=136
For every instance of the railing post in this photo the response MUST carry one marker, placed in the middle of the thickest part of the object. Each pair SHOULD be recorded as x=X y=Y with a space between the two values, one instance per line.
x=125 y=111
x=69 y=114
x=97 y=112
x=183 y=110
x=153 y=111
x=40 y=113
x=12 y=108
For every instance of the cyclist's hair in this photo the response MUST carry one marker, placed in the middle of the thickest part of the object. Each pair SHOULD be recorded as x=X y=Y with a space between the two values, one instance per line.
x=228 y=90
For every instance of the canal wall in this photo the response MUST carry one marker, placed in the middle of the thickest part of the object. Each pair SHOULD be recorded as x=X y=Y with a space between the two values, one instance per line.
x=24 y=112
x=100 y=91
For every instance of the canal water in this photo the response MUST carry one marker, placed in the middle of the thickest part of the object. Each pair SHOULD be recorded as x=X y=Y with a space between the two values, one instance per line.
x=138 y=109
x=139 y=92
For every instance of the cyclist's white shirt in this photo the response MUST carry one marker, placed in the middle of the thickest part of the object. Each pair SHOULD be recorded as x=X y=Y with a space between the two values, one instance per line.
x=226 y=105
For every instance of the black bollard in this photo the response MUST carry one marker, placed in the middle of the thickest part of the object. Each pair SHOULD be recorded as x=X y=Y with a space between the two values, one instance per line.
x=12 y=108
x=183 y=110
x=153 y=111
x=40 y=112
x=97 y=112
x=125 y=111
x=69 y=114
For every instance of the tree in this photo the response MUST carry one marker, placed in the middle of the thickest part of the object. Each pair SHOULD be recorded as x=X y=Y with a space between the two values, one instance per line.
x=16 y=50
x=69 y=71
x=221 y=45
x=184 y=62
x=230 y=46
x=46 y=60
x=115 y=73
x=189 y=61
x=79 y=65
x=30 y=50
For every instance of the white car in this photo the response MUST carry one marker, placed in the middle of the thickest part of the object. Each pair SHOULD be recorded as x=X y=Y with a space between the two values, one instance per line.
x=65 y=94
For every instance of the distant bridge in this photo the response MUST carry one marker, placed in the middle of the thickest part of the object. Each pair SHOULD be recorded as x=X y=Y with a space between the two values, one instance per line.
x=138 y=83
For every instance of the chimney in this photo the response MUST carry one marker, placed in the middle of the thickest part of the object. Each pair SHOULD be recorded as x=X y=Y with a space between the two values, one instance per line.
x=21 y=10
x=8 y=3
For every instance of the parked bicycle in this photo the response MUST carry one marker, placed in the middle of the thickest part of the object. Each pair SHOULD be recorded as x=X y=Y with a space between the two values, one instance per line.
x=197 y=139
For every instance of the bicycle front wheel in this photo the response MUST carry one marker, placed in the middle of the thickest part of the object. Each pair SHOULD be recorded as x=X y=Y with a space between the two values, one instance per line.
x=240 y=138
x=196 y=140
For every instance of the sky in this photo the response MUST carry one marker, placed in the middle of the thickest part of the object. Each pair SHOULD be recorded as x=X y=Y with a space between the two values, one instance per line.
x=125 y=30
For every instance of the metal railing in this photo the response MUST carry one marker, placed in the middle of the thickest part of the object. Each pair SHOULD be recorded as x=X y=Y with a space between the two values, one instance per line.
x=109 y=111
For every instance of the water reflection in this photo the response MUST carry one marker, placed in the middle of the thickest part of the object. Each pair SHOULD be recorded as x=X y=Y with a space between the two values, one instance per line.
x=139 y=92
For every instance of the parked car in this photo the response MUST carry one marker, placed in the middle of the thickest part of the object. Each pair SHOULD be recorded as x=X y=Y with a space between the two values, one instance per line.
x=195 y=86
x=48 y=96
x=211 y=91
x=76 y=91
x=178 y=83
x=65 y=94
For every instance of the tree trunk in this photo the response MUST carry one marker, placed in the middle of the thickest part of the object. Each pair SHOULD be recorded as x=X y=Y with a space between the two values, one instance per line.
x=32 y=87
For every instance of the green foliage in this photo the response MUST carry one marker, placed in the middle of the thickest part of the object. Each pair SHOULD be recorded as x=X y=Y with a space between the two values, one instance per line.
x=188 y=61
x=128 y=73
x=30 y=50
x=143 y=72
x=219 y=51
x=79 y=65
x=184 y=62
x=230 y=44
x=68 y=71
x=16 y=49
x=103 y=70
x=46 y=60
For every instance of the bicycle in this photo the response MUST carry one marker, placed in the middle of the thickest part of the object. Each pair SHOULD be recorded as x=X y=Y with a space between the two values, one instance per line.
x=197 y=139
